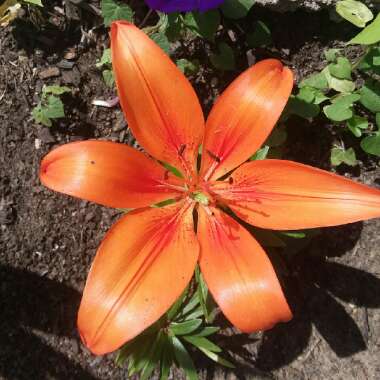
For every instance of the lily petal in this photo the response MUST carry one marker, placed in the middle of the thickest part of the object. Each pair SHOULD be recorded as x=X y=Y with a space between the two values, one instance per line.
x=239 y=274
x=285 y=195
x=108 y=173
x=142 y=266
x=158 y=101
x=243 y=117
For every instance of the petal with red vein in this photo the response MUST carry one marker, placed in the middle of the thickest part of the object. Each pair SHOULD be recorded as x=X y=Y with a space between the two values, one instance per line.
x=243 y=117
x=285 y=195
x=142 y=266
x=239 y=274
x=108 y=173
x=159 y=103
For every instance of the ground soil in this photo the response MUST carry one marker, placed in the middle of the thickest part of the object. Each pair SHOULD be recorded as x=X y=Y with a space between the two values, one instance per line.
x=48 y=240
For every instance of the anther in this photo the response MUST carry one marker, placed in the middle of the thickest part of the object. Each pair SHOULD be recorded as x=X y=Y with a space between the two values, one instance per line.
x=213 y=156
x=181 y=149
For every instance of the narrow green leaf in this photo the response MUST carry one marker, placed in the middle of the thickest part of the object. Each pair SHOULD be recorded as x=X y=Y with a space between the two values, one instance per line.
x=191 y=305
x=294 y=234
x=184 y=360
x=202 y=293
x=153 y=357
x=378 y=120
x=184 y=328
x=164 y=203
x=206 y=331
x=196 y=313
x=140 y=355
x=166 y=359
x=216 y=358
x=175 y=308
x=172 y=169
x=202 y=342
x=261 y=154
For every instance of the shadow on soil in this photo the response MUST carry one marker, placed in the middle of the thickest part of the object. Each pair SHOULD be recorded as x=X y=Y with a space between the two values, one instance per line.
x=29 y=303
x=314 y=288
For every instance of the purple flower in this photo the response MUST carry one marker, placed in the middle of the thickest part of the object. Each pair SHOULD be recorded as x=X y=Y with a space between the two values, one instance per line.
x=168 y=6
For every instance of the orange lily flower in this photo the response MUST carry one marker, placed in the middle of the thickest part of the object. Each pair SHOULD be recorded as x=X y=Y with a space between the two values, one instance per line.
x=149 y=256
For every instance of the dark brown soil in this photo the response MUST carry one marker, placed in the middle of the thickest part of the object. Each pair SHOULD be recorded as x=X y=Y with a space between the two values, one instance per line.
x=48 y=240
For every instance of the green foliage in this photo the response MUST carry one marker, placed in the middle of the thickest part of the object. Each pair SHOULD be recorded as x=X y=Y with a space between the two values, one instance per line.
x=113 y=10
x=106 y=64
x=371 y=144
x=370 y=95
x=225 y=58
x=261 y=35
x=162 y=41
x=340 y=155
x=50 y=106
x=356 y=124
x=203 y=24
x=170 y=340
x=341 y=98
x=33 y=2
x=106 y=58
x=370 y=35
x=188 y=67
x=236 y=9
x=261 y=154
x=331 y=54
x=354 y=11
x=317 y=81
x=370 y=63
x=341 y=107
x=341 y=69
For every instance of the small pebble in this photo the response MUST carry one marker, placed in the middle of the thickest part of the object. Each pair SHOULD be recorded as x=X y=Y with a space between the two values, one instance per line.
x=37 y=143
x=65 y=64
x=50 y=72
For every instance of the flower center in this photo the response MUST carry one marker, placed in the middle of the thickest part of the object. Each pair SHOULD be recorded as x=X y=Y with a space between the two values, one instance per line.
x=200 y=197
